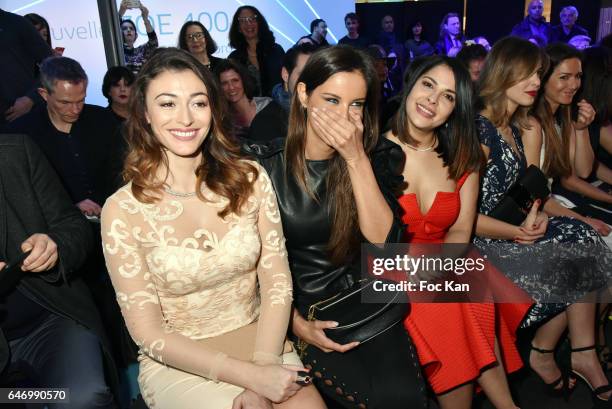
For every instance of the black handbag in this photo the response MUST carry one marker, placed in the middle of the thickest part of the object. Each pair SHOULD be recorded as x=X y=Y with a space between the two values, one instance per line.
x=517 y=203
x=358 y=320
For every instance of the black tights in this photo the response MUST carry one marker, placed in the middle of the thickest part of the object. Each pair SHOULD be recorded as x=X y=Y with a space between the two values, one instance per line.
x=383 y=373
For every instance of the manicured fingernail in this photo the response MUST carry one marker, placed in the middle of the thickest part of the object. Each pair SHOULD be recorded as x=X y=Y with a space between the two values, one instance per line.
x=335 y=324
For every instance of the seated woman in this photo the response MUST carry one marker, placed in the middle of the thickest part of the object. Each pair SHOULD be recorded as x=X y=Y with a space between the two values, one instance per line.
x=331 y=200
x=561 y=145
x=193 y=242
x=458 y=343
x=196 y=39
x=252 y=118
x=541 y=254
x=116 y=87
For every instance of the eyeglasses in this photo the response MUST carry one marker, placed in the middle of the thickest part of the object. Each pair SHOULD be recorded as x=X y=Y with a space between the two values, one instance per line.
x=195 y=36
x=252 y=19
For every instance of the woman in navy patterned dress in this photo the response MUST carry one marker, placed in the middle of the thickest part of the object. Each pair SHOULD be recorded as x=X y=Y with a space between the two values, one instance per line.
x=556 y=260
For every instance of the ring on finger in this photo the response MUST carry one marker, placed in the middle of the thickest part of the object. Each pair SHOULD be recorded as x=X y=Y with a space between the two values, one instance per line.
x=303 y=379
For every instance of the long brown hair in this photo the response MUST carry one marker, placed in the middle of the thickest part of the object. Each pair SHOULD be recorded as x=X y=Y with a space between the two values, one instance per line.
x=556 y=147
x=510 y=61
x=345 y=237
x=458 y=141
x=221 y=169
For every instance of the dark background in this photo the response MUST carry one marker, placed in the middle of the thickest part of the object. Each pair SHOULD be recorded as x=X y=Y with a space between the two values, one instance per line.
x=493 y=19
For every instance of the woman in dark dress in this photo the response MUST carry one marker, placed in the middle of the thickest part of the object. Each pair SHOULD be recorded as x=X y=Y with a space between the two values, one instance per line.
x=556 y=260
x=256 y=49
x=331 y=199
x=196 y=39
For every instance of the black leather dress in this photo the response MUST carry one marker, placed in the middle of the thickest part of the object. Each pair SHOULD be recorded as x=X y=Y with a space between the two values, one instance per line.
x=383 y=372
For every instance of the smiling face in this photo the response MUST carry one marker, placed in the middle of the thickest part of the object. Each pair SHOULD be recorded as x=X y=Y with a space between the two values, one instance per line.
x=344 y=93
x=524 y=92
x=195 y=39
x=453 y=26
x=232 y=86
x=120 y=92
x=432 y=99
x=247 y=20
x=563 y=82
x=178 y=111
x=320 y=30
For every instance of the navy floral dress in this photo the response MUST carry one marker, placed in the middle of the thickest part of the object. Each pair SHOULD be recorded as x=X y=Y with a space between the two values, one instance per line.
x=565 y=265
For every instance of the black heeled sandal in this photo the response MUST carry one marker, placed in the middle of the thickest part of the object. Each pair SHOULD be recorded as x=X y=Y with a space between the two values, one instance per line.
x=598 y=403
x=559 y=388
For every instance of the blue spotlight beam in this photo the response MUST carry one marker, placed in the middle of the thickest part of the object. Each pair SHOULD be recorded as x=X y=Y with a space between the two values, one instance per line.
x=27 y=5
x=293 y=16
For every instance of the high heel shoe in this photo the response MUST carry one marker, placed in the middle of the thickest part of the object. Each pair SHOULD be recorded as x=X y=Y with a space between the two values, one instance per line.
x=598 y=402
x=559 y=388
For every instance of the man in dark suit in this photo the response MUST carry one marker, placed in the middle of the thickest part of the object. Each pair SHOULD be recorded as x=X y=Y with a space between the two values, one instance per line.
x=80 y=140
x=50 y=329
x=568 y=28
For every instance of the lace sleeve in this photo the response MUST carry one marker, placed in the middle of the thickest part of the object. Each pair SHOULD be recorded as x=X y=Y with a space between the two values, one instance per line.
x=138 y=298
x=273 y=275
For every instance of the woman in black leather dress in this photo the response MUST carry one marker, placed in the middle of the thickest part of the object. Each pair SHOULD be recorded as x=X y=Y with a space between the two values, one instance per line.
x=332 y=198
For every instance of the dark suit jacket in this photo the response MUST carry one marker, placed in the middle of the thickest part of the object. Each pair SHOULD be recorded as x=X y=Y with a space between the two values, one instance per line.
x=101 y=149
x=32 y=191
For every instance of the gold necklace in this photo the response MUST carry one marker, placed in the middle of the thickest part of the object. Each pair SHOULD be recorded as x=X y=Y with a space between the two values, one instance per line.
x=414 y=148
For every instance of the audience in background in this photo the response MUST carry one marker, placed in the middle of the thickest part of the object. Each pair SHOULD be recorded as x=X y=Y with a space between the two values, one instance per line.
x=451 y=36
x=416 y=45
x=353 y=37
x=318 y=32
x=252 y=118
x=534 y=27
x=580 y=42
x=22 y=48
x=568 y=28
x=293 y=63
x=116 y=87
x=135 y=57
x=483 y=42
x=196 y=39
x=41 y=25
x=256 y=49
x=473 y=57
x=80 y=140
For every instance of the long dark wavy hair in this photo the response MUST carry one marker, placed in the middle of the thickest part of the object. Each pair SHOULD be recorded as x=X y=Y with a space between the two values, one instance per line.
x=458 y=144
x=556 y=152
x=265 y=37
x=345 y=237
x=211 y=45
x=221 y=169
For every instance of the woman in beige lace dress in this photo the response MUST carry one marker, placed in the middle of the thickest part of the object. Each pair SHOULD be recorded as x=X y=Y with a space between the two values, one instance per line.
x=196 y=253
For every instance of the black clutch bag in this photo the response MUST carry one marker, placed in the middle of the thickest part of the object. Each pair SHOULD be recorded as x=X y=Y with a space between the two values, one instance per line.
x=517 y=203
x=358 y=320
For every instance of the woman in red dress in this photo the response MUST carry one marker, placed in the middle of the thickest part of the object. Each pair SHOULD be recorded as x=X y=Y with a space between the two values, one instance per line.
x=459 y=344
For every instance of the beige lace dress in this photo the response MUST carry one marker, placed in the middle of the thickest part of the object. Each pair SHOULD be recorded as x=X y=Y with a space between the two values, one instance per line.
x=194 y=289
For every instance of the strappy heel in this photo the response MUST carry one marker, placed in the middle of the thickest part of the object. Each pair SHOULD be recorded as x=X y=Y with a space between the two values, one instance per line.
x=598 y=402
x=559 y=388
